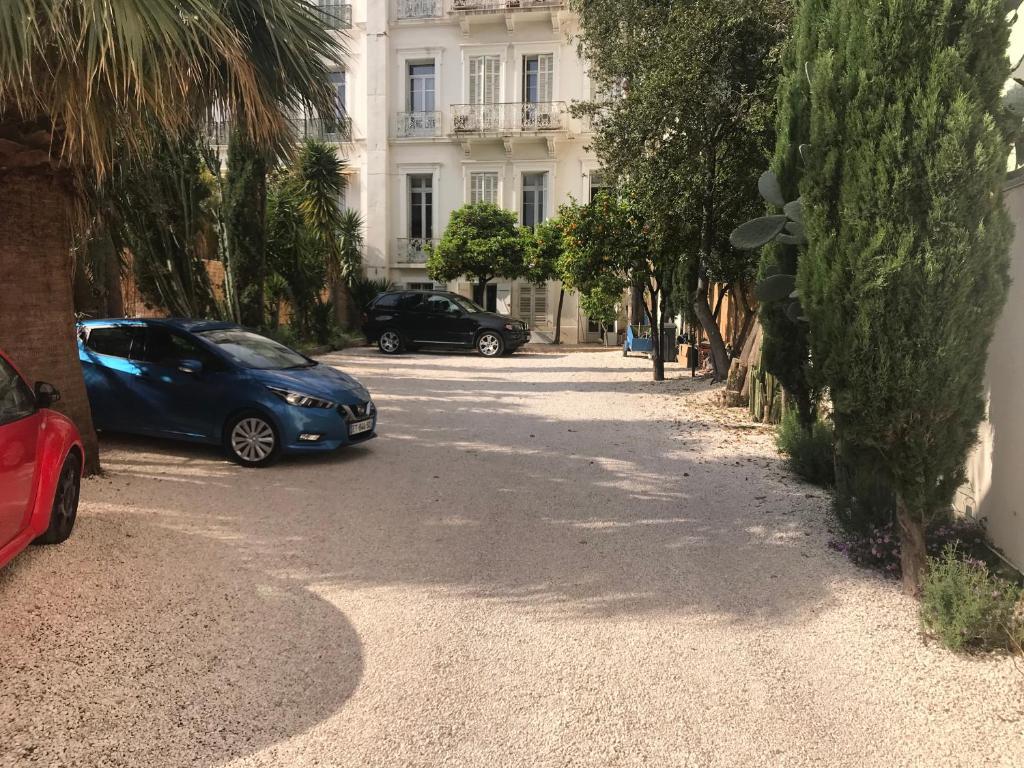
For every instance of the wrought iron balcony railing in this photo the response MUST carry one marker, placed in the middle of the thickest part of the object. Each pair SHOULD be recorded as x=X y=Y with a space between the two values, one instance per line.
x=418 y=124
x=320 y=128
x=412 y=250
x=333 y=14
x=521 y=117
x=418 y=9
x=471 y=6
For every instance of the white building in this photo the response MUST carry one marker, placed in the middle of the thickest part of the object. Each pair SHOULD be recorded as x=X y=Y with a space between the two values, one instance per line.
x=456 y=101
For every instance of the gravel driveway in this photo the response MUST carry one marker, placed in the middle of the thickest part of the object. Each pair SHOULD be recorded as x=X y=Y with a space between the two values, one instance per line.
x=545 y=560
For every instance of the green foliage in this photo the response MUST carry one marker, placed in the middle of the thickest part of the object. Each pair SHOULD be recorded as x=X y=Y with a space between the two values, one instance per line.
x=350 y=244
x=155 y=206
x=604 y=244
x=544 y=251
x=601 y=304
x=967 y=608
x=245 y=225
x=366 y=289
x=481 y=241
x=785 y=346
x=687 y=136
x=810 y=452
x=906 y=268
x=318 y=178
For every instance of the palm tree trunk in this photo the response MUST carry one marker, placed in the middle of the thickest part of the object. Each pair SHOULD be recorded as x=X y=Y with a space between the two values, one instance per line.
x=37 y=323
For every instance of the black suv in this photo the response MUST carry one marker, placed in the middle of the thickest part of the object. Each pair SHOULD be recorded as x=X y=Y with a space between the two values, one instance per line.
x=402 y=320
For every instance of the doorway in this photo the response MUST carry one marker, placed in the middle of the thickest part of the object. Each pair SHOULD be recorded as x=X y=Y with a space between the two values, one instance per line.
x=488 y=298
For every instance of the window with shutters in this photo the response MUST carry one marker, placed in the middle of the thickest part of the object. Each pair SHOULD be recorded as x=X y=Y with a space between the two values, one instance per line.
x=533 y=304
x=534 y=194
x=483 y=187
x=538 y=78
x=484 y=79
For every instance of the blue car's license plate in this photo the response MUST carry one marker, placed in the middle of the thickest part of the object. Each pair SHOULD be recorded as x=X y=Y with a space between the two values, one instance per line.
x=360 y=427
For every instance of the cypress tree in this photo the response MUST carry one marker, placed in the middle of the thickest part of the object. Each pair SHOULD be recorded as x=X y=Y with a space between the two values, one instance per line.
x=906 y=271
x=786 y=350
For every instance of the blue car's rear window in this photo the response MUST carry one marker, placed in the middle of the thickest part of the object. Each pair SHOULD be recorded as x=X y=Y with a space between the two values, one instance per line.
x=254 y=351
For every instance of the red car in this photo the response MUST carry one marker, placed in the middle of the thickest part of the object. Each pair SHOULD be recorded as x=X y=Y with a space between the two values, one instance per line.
x=41 y=460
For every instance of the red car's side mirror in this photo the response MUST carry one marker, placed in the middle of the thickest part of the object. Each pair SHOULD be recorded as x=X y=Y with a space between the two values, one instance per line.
x=46 y=394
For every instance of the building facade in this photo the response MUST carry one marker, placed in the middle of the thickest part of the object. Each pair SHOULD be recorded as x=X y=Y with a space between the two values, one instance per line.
x=456 y=101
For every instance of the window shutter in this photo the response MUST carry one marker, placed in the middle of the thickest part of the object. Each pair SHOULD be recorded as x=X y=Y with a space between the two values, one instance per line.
x=476 y=80
x=525 y=302
x=540 y=304
x=492 y=85
x=545 y=77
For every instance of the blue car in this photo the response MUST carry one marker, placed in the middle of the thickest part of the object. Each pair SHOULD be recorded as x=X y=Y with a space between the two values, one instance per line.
x=214 y=382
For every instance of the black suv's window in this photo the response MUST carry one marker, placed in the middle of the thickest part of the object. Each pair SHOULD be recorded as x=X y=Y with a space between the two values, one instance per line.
x=410 y=301
x=441 y=305
x=16 y=399
x=168 y=349
x=116 y=340
x=387 y=301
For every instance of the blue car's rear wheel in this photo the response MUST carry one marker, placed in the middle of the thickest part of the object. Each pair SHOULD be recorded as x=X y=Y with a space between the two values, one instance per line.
x=65 y=502
x=251 y=439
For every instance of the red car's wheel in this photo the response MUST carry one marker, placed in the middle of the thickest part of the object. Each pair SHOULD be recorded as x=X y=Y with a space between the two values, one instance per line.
x=65 y=502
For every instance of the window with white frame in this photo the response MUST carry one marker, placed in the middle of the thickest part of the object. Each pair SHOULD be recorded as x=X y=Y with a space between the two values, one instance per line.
x=538 y=78
x=483 y=187
x=484 y=79
x=421 y=206
x=598 y=183
x=535 y=187
x=340 y=87
x=422 y=87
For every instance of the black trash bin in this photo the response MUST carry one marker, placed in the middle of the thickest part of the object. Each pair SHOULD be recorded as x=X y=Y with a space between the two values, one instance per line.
x=669 y=347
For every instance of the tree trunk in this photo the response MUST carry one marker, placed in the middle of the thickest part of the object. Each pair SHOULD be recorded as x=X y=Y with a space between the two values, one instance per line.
x=719 y=357
x=341 y=300
x=657 y=356
x=37 y=322
x=913 y=551
x=558 y=317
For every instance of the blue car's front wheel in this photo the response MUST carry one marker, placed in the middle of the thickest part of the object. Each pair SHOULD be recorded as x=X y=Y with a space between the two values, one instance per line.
x=251 y=439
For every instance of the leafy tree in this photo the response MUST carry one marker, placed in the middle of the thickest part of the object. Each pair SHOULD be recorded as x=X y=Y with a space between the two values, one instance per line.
x=688 y=130
x=156 y=207
x=482 y=242
x=245 y=203
x=81 y=86
x=544 y=255
x=601 y=304
x=906 y=269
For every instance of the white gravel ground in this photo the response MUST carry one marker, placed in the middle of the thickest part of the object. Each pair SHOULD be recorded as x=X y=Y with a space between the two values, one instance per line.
x=545 y=560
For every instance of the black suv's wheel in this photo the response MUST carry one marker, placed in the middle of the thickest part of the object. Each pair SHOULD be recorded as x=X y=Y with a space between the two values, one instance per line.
x=65 y=502
x=390 y=342
x=490 y=344
x=251 y=439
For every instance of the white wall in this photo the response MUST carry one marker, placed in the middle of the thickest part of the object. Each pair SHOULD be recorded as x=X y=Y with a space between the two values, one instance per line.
x=381 y=47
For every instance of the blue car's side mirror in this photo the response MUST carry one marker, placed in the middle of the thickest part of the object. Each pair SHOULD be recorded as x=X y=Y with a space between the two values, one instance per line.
x=190 y=366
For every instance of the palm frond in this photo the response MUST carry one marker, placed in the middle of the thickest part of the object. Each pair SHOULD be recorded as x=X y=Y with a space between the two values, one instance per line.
x=91 y=76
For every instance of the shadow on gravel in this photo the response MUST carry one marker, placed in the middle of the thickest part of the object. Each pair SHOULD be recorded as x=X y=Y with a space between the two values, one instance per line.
x=153 y=646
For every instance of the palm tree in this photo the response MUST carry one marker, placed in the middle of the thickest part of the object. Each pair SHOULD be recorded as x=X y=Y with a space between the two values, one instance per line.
x=350 y=251
x=321 y=183
x=81 y=82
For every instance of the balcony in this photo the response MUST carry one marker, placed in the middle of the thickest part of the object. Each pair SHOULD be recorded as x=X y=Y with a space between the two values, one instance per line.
x=333 y=14
x=486 y=6
x=328 y=129
x=488 y=11
x=412 y=250
x=418 y=125
x=322 y=128
x=419 y=9
x=506 y=119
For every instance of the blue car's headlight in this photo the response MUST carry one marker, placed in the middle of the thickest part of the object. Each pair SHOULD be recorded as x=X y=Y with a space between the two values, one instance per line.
x=302 y=401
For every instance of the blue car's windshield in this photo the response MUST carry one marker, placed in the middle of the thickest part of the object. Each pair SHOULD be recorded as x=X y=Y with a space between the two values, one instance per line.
x=254 y=351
